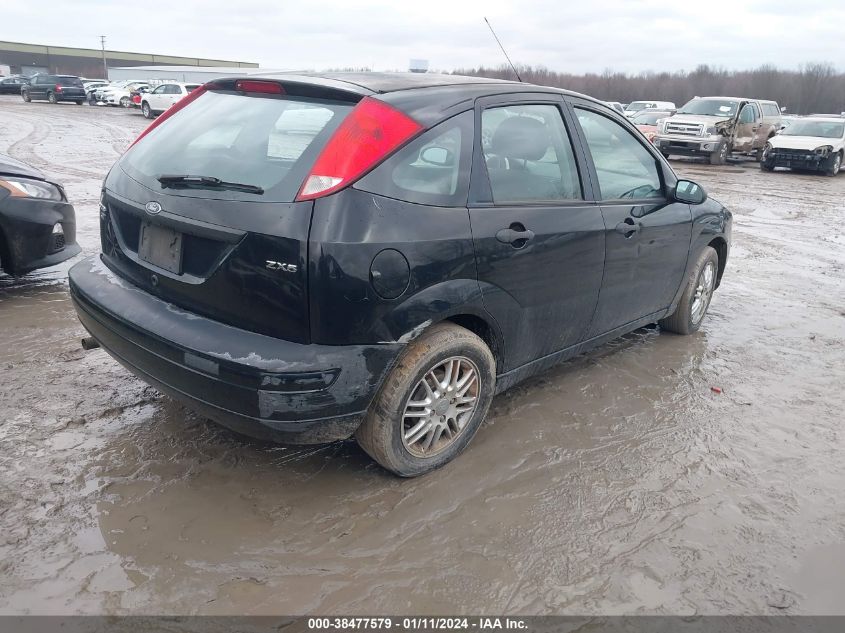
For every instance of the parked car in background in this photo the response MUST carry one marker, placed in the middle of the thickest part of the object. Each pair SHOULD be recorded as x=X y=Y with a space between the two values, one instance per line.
x=91 y=87
x=306 y=258
x=813 y=143
x=122 y=95
x=12 y=85
x=637 y=106
x=54 y=88
x=162 y=97
x=37 y=223
x=616 y=106
x=646 y=121
x=716 y=127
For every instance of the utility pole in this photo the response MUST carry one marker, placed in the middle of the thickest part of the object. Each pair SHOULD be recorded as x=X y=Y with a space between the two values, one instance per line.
x=105 y=66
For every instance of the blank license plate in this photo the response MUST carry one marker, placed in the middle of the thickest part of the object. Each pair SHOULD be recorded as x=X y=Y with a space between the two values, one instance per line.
x=161 y=246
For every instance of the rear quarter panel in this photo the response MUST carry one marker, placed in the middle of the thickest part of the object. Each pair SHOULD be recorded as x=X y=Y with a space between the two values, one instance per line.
x=349 y=229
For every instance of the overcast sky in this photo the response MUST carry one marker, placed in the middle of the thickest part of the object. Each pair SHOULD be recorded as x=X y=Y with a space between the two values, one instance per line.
x=564 y=35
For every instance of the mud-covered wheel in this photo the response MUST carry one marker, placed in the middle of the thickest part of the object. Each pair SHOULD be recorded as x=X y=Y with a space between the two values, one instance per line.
x=720 y=156
x=835 y=165
x=698 y=291
x=432 y=402
x=25 y=96
x=51 y=97
x=145 y=110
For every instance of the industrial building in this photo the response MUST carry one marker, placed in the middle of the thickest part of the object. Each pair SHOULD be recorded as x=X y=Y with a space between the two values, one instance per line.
x=29 y=59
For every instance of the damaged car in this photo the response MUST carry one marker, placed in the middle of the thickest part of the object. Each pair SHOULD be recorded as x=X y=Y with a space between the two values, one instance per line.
x=716 y=127
x=37 y=223
x=308 y=258
x=813 y=144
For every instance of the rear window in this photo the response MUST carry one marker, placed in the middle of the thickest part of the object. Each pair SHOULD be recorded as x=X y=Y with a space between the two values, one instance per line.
x=269 y=142
x=69 y=81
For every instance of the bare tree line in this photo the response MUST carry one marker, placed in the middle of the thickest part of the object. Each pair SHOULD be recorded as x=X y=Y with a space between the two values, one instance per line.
x=814 y=88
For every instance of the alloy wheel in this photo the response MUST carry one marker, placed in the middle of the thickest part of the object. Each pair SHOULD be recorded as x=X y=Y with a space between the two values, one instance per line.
x=703 y=292
x=440 y=406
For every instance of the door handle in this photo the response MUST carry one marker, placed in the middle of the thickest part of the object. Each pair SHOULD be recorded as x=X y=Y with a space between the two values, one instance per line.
x=628 y=227
x=516 y=235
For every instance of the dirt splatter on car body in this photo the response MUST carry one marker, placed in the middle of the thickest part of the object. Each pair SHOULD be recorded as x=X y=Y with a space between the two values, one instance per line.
x=615 y=483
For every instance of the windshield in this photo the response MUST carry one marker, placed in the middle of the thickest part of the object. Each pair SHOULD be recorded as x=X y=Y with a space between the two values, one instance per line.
x=266 y=142
x=636 y=106
x=822 y=129
x=710 y=107
x=648 y=118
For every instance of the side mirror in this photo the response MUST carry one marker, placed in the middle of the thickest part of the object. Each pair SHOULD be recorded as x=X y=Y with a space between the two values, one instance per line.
x=689 y=192
x=439 y=156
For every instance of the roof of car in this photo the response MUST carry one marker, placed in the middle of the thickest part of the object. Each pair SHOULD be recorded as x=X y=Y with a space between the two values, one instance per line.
x=391 y=82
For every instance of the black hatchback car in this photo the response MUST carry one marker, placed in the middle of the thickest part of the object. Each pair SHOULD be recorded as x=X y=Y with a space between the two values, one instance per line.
x=54 y=88
x=310 y=257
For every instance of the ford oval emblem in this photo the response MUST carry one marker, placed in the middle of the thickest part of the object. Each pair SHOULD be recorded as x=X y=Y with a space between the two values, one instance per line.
x=153 y=208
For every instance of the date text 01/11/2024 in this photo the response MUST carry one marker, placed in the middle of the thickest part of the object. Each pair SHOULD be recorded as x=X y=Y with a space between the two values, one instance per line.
x=416 y=623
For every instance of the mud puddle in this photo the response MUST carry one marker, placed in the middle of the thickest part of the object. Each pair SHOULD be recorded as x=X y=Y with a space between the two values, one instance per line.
x=616 y=483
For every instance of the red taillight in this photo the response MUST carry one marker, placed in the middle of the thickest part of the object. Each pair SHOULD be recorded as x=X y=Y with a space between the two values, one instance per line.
x=58 y=88
x=371 y=131
x=267 y=87
x=191 y=96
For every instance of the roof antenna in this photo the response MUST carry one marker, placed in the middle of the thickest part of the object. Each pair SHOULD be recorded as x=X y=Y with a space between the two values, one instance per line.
x=503 y=50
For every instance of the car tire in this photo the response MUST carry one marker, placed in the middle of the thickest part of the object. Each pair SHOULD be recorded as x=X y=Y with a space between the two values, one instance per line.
x=26 y=97
x=80 y=101
x=125 y=102
x=720 y=156
x=700 y=284
x=146 y=111
x=51 y=97
x=835 y=165
x=423 y=373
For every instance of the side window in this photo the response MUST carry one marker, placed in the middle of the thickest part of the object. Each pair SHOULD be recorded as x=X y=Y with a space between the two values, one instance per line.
x=756 y=112
x=172 y=89
x=528 y=154
x=624 y=167
x=159 y=90
x=432 y=169
x=747 y=114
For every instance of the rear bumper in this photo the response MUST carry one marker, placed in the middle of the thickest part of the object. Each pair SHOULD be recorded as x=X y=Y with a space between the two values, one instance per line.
x=27 y=225
x=254 y=384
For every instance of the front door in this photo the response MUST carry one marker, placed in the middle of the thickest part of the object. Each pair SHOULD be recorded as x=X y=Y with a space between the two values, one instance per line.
x=539 y=240
x=746 y=128
x=647 y=236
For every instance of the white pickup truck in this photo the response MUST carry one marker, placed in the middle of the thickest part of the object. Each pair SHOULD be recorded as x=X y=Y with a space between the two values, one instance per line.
x=715 y=127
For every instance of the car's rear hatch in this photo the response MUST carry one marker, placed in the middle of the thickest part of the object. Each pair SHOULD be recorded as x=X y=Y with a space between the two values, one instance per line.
x=233 y=246
x=70 y=87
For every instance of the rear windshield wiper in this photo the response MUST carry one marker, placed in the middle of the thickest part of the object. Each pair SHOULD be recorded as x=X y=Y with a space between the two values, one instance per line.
x=207 y=181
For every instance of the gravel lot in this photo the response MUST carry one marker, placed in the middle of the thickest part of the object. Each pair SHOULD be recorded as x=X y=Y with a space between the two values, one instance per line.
x=616 y=483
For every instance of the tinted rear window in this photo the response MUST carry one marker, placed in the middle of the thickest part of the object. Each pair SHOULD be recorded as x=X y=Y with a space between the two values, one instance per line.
x=270 y=142
x=69 y=81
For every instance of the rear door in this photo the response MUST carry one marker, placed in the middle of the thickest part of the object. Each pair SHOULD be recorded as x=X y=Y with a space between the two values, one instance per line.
x=538 y=237
x=647 y=235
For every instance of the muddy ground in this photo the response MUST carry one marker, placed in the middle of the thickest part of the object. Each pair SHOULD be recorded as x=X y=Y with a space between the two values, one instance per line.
x=616 y=483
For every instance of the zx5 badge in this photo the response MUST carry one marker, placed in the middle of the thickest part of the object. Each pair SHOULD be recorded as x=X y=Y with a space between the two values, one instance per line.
x=288 y=268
